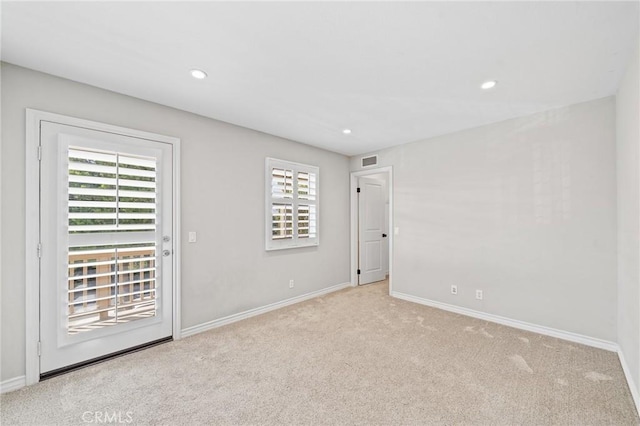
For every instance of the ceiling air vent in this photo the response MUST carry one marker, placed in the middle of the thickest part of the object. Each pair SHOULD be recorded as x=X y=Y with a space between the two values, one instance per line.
x=370 y=161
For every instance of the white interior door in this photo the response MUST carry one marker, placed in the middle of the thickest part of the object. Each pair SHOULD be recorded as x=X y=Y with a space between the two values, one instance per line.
x=371 y=204
x=106 y=243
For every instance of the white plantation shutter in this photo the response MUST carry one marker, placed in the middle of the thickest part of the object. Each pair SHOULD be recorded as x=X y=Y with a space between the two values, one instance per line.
x=110 y=283
x=111 y=192
x=281 y=183
x=291 y=204
x=281 y=221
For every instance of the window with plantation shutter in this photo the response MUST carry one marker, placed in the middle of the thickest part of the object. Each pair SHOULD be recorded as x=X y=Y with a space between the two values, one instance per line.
x=291 y=204
x=108 y=284
x=111 y=192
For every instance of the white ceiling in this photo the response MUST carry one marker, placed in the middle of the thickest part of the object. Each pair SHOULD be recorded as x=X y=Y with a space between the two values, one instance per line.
x=393 y=72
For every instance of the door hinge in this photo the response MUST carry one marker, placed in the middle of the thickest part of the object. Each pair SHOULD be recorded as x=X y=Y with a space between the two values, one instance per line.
x=39 y=152
x=358 y=190
x=39 y=250
x=358 y=271
x=39 y=349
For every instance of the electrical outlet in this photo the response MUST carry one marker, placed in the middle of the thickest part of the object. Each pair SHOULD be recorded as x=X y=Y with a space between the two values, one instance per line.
x=291 y=284
x=479 y=294
x=454 y=289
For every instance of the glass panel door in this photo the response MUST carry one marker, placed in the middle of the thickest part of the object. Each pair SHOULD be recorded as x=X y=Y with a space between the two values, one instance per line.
x=106 y=281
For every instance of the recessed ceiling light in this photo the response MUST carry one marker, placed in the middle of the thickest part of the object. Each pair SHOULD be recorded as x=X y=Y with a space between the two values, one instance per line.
x=347 y=131
x=489 y=84
x=199 y=74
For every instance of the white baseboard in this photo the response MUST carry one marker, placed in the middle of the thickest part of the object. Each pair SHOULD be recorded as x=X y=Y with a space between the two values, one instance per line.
x=190 y=331
x=547 y=331
x=13 y=384
x=631 y=382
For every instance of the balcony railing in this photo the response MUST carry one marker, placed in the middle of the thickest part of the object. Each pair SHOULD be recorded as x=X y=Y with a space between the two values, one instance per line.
x=110 y=286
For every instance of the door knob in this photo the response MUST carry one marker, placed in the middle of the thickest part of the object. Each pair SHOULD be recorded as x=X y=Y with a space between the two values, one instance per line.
x=384 y=235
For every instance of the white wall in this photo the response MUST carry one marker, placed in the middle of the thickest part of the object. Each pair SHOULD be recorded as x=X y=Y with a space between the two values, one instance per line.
x=227 y=271
x=524 y=210
x=628 y=168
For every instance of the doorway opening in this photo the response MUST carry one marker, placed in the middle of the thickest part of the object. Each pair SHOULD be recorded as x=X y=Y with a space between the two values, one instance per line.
x=372 y=226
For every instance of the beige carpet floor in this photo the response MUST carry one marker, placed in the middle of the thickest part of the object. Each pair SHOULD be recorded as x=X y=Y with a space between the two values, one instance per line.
x=355 y=357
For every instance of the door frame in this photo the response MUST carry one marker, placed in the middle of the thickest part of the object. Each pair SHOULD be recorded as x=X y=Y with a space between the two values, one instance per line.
x=33 y=231
x=388 y=170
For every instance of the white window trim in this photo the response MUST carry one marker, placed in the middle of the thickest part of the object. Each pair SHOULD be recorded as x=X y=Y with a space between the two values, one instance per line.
x=295 y=242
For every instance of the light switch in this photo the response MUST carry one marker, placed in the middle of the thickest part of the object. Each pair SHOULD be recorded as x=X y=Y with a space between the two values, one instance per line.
x=192 y=237
x=396 y=230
